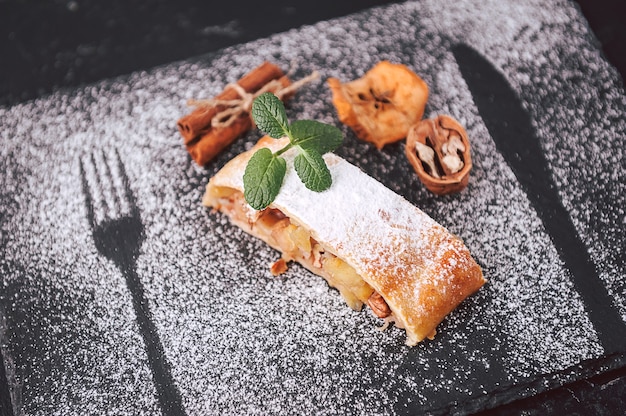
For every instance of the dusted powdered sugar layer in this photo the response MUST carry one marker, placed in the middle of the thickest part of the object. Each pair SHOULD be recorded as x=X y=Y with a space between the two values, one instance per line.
x=357 y=216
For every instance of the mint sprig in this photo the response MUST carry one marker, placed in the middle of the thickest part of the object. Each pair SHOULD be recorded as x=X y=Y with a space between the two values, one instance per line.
x=266 y=170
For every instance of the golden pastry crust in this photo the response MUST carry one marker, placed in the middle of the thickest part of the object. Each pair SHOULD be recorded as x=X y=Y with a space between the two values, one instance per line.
x=382 y=105
x=421 y=270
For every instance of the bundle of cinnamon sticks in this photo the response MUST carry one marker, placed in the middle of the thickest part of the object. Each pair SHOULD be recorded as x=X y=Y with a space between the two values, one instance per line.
x=213 y=124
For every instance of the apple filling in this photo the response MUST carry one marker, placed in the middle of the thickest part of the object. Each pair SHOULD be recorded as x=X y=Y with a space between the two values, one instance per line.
x=295 y=243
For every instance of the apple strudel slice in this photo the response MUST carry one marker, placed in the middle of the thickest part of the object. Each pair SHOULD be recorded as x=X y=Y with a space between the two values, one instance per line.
x=370 y=243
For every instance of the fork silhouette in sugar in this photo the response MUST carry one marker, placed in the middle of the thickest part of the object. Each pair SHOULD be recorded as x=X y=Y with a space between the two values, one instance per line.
x=118 y=234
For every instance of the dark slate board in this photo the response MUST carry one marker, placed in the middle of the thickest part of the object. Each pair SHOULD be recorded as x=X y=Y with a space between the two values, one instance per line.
x=237 y=340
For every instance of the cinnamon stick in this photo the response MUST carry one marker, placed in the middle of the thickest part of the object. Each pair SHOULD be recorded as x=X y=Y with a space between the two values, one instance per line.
x=203 y=141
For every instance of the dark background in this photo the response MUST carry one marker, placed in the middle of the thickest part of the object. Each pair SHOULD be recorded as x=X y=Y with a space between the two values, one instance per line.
x=49 y=45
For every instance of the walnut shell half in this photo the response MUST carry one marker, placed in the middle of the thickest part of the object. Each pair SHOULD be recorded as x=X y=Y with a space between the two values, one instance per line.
x=439 y=152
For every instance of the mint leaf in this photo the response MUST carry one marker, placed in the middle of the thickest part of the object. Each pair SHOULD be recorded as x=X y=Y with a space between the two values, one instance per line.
x=268 y=112
x=263 y=178
x=265 y=170
x=312 y=170
x=313 y=135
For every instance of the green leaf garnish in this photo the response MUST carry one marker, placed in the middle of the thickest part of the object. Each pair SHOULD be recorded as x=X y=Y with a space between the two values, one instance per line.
x=312 y=170
x=263 y=178
x=268 y=112
x=310 y=134
x=266 y=170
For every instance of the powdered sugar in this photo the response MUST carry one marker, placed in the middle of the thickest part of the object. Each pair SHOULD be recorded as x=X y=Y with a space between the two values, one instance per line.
x=239 y=340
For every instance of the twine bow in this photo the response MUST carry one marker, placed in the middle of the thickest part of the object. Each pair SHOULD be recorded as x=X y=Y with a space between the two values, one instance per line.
x=243 y=105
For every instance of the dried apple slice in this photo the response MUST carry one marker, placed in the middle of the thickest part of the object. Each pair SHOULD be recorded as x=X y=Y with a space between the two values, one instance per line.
x=382 y=105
